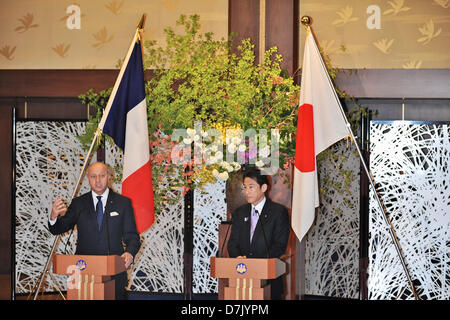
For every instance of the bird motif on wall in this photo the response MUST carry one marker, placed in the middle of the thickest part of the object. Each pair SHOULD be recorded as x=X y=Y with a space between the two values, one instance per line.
x=27 y=23
x=114 y=6
x=345 y=15
x=61 y=49
x=443 y=3
x=396 y=7
x=7 y=52
x=102 y=38
x=427 y=30
x=413 y=64
x=384 y=45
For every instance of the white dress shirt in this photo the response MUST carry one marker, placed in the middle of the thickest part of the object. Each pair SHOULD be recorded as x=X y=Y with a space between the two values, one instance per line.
x=259 y=206
x=104 y=198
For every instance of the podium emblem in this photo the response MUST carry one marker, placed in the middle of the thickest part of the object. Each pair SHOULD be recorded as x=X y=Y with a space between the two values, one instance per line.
x=81 y=264
x=241 y=268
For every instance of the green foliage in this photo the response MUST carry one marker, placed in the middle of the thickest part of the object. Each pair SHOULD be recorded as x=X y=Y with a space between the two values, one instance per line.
x=197 y=78
x=97 y=101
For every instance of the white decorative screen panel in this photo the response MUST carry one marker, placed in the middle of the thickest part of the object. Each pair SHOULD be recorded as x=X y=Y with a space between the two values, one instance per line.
x=209 y=210
x=410 y=165
x=49 y=159
x=159 y=264
x=331 y=250
x=158 y=267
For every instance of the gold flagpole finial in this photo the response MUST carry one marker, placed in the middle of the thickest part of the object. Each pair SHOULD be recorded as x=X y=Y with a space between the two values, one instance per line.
x=306 y=21
x=141 y=22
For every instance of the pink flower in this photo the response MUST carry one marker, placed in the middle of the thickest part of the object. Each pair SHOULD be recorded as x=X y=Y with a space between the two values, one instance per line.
x=276 y=80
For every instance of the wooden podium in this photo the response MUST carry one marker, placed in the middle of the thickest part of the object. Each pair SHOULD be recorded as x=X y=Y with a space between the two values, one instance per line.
x=246 y=277
x=90 y=275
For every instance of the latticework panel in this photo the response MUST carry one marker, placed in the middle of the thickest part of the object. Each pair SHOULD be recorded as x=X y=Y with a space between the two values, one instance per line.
x=209 y=210
x=331 y=254
x=48 y=162
x=410 y=164
x=158 y=266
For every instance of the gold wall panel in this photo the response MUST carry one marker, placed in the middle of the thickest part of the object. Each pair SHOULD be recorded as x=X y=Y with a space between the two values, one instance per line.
x=86 y=34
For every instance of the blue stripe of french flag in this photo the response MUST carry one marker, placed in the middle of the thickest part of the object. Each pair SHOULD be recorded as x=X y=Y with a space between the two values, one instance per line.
x=125 y=121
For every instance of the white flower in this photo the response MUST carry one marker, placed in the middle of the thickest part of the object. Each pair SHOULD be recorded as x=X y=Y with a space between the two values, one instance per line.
x=264 y=152
x=190 y=131
x=236 y=140
x=199 y=147
x=242 y=147
x=196 y=137
x=209 y=159
x=219 y=156
x=187 y=141
x=228 y=167
x=236 y=165
x=223 y=176
x=259 y=164
x=204 y=134
x=231 y=148
x=215 y=173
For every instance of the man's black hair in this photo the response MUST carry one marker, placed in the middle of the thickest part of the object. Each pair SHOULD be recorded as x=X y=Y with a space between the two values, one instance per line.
x=255 y=174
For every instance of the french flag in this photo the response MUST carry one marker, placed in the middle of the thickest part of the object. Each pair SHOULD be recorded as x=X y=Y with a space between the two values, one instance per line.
x=126 y=124
x=321 y=123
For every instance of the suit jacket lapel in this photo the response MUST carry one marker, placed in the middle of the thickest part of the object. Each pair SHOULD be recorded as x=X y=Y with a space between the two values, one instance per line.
x=246 y=222
x=265 y=211
x=89 y=202
x=264 y=215
x=89 y=209
x=109 y=201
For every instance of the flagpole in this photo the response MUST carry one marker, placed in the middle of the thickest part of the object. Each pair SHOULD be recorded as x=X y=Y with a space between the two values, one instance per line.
x=306 y=21
x=97 y=136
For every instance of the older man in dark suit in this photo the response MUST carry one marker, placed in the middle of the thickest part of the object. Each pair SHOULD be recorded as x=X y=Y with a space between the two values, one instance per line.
x=260 y=227
x=105 y=222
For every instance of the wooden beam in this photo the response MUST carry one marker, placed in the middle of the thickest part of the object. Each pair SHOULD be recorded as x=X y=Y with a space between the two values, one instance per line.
x=243 y=19
x=282 y=27
x=396 y=83
x=56 y=83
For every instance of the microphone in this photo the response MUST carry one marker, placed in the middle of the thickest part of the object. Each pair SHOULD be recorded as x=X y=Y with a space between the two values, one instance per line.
x=264 y=233
x=226 y=236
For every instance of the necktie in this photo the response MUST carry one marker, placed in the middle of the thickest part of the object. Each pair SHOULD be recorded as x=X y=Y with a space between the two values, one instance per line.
x=99 y=211
x=254 y=221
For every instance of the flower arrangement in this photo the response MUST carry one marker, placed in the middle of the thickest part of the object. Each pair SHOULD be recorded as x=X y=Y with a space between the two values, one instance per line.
x=211 y=110
x=200 y=80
